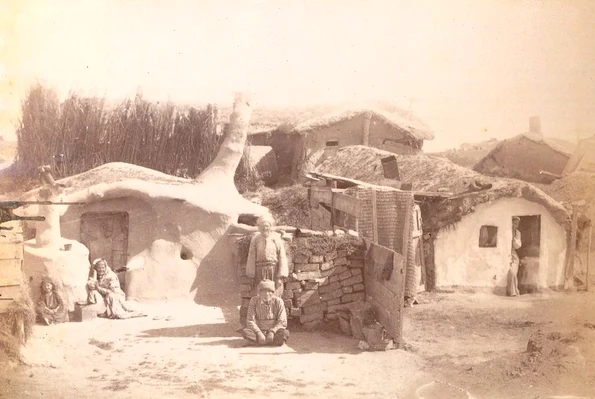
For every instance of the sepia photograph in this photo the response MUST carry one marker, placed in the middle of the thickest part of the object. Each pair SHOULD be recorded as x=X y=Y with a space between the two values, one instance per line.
x=245 y=199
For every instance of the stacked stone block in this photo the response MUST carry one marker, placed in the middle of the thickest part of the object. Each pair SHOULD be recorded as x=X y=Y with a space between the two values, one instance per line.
x=321 y=284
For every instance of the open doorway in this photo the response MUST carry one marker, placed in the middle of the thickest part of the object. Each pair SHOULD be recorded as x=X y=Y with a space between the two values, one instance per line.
x=105 y=234
x=528 y=273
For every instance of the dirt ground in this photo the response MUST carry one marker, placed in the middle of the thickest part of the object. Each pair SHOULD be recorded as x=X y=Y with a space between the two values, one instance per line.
x=479 y=342
x=458 y=345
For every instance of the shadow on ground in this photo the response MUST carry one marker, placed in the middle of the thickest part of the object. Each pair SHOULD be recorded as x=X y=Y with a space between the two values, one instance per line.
x=217 y=283
x=192 y=331
x=299 y=342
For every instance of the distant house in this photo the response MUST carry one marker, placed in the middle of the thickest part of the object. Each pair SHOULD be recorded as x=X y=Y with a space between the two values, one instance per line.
x=526 y=157
x=395 y=130
x=583 y=158
x=467 y=218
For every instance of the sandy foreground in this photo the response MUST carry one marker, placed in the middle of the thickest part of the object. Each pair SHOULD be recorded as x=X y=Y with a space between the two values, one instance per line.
x=463 y=345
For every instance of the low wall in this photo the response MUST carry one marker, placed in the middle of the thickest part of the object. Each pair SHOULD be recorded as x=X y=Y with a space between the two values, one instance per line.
x=325 y=272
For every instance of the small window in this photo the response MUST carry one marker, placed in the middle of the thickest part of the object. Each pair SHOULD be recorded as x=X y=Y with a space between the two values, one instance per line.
x=488 y=237
x=332 y=143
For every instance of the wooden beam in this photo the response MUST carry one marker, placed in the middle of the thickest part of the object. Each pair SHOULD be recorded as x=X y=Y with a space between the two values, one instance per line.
x=334 y=198
x=374 y=218
x=546 y=173
x=10 y=272
x=322 y=194
x=346 y=203
x=333 y=216
x=569 y=280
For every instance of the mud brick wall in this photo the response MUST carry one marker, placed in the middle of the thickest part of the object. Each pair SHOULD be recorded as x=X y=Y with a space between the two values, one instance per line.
x=324 y=274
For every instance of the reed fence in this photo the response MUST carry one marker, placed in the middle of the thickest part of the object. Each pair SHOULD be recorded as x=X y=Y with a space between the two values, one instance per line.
x=82 y=133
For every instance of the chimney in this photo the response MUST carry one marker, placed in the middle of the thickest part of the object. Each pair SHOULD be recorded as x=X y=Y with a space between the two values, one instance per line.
x=535 y=125
x=366 y=135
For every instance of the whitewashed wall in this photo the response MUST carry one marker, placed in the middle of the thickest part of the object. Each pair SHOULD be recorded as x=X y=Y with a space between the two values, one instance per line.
x=461 y=262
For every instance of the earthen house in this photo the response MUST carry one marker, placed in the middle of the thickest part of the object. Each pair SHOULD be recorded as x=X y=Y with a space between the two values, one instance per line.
x=467 y=218
x=526 y=157
x=166 y=238
x=395 y=130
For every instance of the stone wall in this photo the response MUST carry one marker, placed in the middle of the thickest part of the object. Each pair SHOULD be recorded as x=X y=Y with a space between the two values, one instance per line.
x=325 y=272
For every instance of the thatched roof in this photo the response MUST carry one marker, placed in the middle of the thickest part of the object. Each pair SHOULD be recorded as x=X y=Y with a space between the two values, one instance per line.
x=427 y=173
x=556 y=144
x=117 y=171
x=395 y=117
x=583 y=158
x=559 y=145
x=575 y=187
x=119 y=179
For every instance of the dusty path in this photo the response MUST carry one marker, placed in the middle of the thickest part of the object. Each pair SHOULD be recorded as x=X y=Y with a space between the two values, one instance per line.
x=479 y=342
x=198 y=354
x=470 y=341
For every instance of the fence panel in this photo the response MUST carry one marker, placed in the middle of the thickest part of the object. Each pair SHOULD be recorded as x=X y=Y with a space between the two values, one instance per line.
x=384 y=280
x=11 y=262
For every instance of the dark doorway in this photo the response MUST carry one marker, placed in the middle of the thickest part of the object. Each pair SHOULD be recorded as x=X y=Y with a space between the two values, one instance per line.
x=530 y=229
x=105 y=234
x=528 y=274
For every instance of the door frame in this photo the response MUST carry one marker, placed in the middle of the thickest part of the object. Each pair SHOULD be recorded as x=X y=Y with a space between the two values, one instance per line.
x=126 y=226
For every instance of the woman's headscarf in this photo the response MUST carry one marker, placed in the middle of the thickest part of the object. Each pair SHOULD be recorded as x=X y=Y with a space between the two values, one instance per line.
x=108 y=269
x=96 y=262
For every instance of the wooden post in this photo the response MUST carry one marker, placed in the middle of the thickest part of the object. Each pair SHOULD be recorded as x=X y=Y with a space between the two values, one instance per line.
x=311 y=207
x=374 y=218
x=333 y=184
x=356 y=226
x=406 y=244
x=332 y=211
x=422 y=259
x=569 y=280
x=589 y=255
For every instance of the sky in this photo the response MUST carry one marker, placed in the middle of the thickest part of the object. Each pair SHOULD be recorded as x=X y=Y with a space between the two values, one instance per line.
x=471 y=69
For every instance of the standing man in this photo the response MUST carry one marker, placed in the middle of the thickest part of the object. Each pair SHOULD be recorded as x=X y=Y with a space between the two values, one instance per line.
x=266 y=257
x=512 y=288
x=267 y=319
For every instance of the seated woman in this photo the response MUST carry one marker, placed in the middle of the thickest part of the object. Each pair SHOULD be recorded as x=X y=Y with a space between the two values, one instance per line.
x=50 y=307
x=104 y=290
